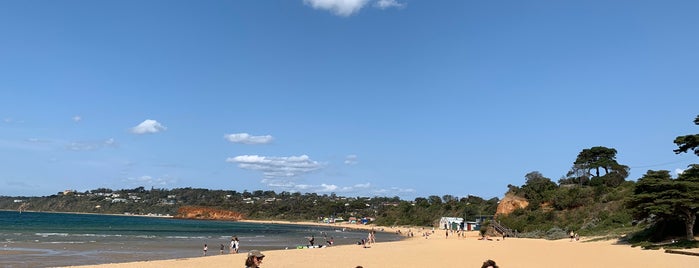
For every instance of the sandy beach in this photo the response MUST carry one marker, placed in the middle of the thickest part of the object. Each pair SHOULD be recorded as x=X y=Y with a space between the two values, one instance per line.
x=439 y=251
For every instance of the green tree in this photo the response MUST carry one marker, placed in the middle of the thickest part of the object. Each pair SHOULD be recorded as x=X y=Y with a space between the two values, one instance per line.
x=596 y=159
x=537 y=188
x=656 y=193
x=688 y=142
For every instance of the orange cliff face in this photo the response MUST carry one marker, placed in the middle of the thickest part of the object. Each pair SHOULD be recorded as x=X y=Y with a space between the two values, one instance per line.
x=509 y=203
x=204 y=213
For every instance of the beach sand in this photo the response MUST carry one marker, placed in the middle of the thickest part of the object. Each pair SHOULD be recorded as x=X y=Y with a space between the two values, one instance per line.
x=439 y=251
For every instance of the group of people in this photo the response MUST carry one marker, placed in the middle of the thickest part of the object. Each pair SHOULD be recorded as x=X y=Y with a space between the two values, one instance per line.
x=233 y=248
x=371 y=239
x=254 y=259
x=574 y=236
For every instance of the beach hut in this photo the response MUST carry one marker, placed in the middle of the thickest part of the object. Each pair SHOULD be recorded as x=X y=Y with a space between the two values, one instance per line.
x=471 y=226
x=452 y=223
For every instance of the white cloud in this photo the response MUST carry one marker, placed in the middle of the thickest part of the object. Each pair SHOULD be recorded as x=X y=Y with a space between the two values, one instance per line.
x=679 y=171
x=346 y=8
x=338 y=7
x=246 y=138
x=384 y=4
x=148 y=126
x=393 y=191
x=77 y=118
x=278 y=183
x=288 y=185
x=327 y=187
x=351 y=160
x=362 y=185
x=276 y=167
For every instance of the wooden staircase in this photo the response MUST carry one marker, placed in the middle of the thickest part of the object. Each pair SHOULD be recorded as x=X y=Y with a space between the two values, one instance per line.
x=502 y=229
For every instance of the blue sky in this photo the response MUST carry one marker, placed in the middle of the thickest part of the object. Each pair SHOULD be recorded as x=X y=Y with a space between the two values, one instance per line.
x=357 y=97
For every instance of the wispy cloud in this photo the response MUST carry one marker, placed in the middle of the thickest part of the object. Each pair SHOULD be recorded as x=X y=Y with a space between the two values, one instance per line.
x=246 y=138
x=351 y=160
x=393 y=191
x=91 y=146
x=384 y=4
x=276 y=167
x=77 y=118
x=148 y=126
x=10 y=120
x=149 y=181
x=346 y=8
x=288 y=185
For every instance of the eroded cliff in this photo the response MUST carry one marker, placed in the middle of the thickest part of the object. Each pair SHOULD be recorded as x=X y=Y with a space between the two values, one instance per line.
x=204 y=213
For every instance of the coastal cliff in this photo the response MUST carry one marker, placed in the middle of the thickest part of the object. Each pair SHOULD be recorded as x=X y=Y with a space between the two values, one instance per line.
x=509 y=203
x=204 y=213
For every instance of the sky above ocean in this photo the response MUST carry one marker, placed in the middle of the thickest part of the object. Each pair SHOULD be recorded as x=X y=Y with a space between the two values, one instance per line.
x=357 y=97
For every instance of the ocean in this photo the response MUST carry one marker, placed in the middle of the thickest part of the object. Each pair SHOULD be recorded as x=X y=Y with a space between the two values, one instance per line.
x=37 y=239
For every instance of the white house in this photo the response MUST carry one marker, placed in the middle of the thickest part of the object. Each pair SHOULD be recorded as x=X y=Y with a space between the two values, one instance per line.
x=453 y=223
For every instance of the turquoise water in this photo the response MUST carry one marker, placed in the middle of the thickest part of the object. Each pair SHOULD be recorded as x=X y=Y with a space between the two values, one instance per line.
x=35 y=239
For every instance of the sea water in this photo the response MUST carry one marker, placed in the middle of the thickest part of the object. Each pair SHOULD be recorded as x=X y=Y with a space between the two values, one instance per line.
x=36 y=239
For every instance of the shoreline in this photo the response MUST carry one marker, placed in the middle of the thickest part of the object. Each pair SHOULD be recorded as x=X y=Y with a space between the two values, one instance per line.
x=438 y=249
x=91 y=213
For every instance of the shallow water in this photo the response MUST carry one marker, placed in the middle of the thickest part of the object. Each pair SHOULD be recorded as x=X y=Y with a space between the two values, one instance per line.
x=35 y=239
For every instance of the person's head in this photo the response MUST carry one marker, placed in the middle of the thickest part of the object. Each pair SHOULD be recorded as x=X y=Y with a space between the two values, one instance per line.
x=489 y=264
x=254 y=258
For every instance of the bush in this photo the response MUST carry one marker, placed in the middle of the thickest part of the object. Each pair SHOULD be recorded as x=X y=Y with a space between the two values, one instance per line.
x=556 y=233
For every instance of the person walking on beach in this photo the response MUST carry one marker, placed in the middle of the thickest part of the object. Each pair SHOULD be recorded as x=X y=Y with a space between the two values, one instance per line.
x=254 y=259
x=222 y=247
x=205 y=249
x=235 y=245
x=311 y=240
